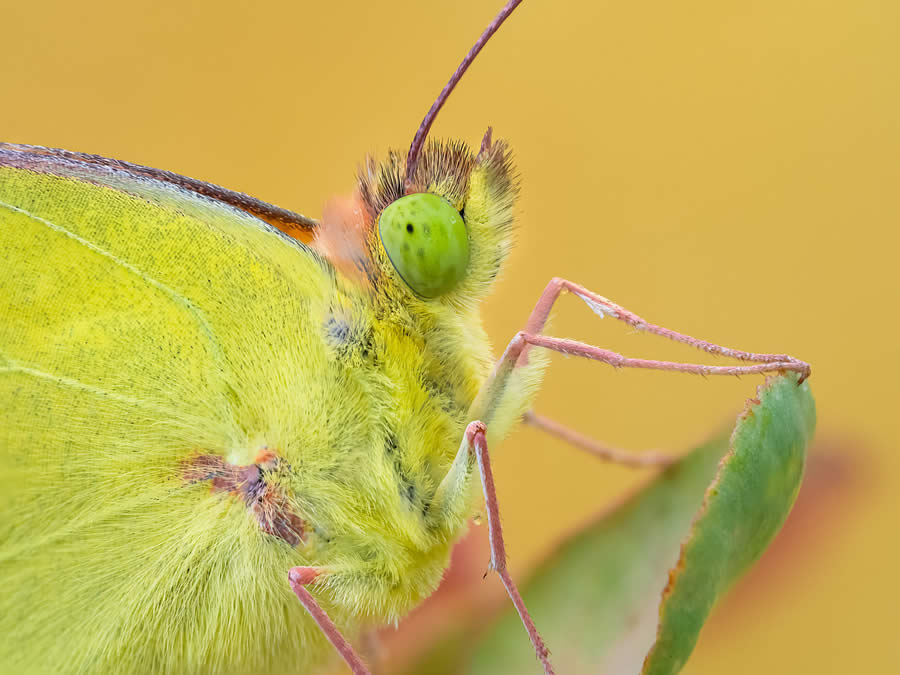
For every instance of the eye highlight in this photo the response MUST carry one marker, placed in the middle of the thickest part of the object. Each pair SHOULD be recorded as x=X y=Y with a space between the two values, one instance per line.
x=426 y=241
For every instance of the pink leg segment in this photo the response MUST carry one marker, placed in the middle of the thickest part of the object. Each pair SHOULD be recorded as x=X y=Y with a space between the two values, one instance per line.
x=575 y=348
x=600 y=451
x=606 y=307
x=300 y=577
x=476 y=439
x=516 y=352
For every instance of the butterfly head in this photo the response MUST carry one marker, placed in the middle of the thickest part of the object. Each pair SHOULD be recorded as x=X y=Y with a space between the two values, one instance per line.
x=437 y=223
x=444 y=232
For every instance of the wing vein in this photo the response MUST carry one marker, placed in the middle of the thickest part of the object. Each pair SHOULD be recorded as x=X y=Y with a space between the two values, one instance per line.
x=174 y=295
x=15 y=367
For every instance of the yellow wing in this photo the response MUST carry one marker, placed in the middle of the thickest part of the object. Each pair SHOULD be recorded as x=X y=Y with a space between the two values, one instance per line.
x=140 y=320
x=161 y=337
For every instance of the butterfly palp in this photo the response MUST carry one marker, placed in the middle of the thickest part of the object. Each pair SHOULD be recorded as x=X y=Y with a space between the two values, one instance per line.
x=427 y=242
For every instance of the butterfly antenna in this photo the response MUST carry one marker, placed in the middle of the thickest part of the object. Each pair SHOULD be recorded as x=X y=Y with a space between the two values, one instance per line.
x=415 y=148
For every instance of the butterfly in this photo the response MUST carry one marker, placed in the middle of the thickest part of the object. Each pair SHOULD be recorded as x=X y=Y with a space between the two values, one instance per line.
x=231 y=436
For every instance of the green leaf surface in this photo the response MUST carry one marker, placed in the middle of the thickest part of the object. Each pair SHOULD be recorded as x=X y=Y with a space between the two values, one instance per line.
x=743 y=509
x=645 y=576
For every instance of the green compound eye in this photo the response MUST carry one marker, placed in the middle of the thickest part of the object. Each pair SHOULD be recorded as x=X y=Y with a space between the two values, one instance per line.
x=426 y=241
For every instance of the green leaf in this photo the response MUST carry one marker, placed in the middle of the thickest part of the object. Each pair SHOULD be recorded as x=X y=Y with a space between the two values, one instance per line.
x=743 y=509
x=597 y=598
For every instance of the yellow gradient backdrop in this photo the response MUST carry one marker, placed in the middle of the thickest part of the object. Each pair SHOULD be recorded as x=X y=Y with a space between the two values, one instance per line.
x=728 y=169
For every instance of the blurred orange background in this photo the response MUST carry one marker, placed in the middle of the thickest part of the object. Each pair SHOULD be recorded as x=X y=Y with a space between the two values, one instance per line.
x=725 y=169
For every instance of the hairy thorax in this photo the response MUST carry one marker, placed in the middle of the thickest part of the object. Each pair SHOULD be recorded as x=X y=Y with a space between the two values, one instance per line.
x=382 y=414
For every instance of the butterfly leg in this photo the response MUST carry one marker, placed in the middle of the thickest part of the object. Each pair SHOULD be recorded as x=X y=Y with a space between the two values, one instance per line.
x=300 y=578
x=475 y=444
x=493 y=393
x=605 y=307
x=599 y=450
x=491 y=397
